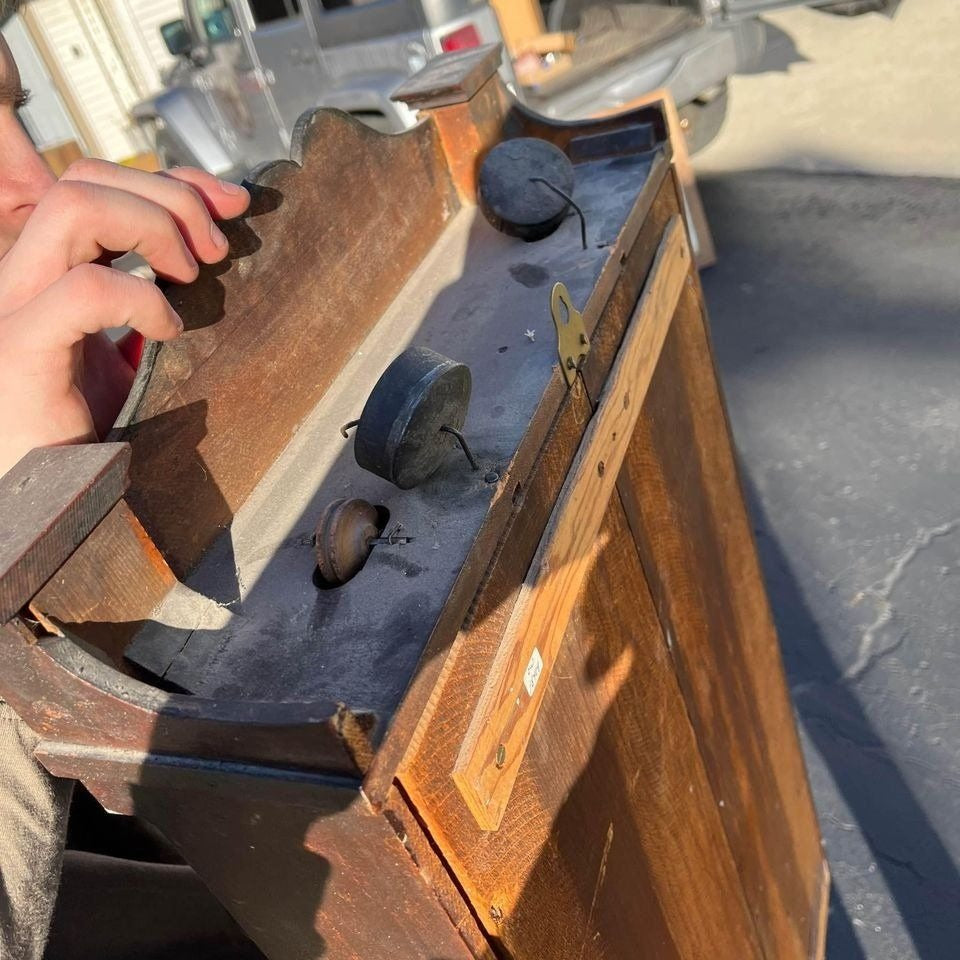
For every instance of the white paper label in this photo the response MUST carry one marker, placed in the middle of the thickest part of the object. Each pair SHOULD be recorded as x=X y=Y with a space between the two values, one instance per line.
x=532 y=674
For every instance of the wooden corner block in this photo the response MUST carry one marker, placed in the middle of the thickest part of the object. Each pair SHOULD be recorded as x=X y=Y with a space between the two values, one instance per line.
x=49 y=503
x=453 y=78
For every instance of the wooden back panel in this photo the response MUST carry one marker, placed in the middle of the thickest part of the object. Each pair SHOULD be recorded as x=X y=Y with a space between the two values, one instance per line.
x=682 y=496
x=312 y=267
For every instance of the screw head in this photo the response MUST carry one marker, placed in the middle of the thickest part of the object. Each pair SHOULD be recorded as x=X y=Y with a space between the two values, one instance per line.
x=501 y=756
x=496 y=913
x=492 y=476
x=601 y=467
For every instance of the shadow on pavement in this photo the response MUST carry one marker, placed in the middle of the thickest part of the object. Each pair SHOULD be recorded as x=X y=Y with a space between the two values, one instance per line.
x=834 y=317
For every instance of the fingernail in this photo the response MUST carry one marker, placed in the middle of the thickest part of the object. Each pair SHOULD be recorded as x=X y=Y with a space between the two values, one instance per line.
x=216 y=235
x=232 y=188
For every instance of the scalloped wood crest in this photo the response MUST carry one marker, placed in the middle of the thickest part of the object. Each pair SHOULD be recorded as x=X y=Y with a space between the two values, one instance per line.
x=329 y=238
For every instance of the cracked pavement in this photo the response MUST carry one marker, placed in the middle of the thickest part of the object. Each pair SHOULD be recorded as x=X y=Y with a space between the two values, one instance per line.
x=835 y=311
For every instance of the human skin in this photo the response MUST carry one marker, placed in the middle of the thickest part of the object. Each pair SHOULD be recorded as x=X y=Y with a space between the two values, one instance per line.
x=62 y=380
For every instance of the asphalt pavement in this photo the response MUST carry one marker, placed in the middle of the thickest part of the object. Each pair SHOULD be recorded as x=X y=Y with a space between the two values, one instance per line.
x=835 y=309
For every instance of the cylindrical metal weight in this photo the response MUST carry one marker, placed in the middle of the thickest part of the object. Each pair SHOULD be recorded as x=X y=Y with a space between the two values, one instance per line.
x=511 y=196
x=399 y=436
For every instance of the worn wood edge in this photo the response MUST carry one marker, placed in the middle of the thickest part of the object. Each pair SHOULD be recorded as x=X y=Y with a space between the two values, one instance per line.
x=751 y=536
x=818 y=947
x=147 y=578
x=412 y=717
x=428 y=858
x=75 y=761
x=68 y=502
x=419 y=780
x=565 y=554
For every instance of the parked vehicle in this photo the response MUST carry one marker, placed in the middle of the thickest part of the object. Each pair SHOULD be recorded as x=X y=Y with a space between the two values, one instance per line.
x=247 y=69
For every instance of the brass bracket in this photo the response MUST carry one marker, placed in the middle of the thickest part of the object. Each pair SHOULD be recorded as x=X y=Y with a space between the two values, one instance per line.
x=573 y=344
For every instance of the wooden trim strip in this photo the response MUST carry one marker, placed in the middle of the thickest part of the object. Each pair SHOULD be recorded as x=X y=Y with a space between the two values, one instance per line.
x=497 y=738
x=819 y=926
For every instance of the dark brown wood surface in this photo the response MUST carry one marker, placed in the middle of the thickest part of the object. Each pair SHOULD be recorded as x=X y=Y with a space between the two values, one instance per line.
x=452 y=79
x=49 y=502
x=435 y=872
x=70 y=697
x=312 y=268
x=300 y=861
x=682 y=495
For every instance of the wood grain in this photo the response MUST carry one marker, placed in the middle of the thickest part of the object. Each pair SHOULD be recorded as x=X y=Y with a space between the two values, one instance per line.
x=611 y=846
x=266 y=336
x=50 y=501
x=298 y=860
x=496 y=740
x=105 y=602
x=682 y=495
x=69 y=697
x=606 y=314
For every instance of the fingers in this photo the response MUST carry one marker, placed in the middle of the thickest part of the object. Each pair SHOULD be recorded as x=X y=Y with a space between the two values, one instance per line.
x=88 y=299
x=224 y=200
x=75 y=223
x=191 y=197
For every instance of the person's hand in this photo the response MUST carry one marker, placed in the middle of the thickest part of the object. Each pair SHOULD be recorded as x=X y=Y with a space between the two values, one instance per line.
x=61 y=379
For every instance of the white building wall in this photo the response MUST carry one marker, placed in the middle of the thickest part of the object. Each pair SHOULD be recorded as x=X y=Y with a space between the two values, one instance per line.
x=45 y=116
x=90 y=73
x=135 y=25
